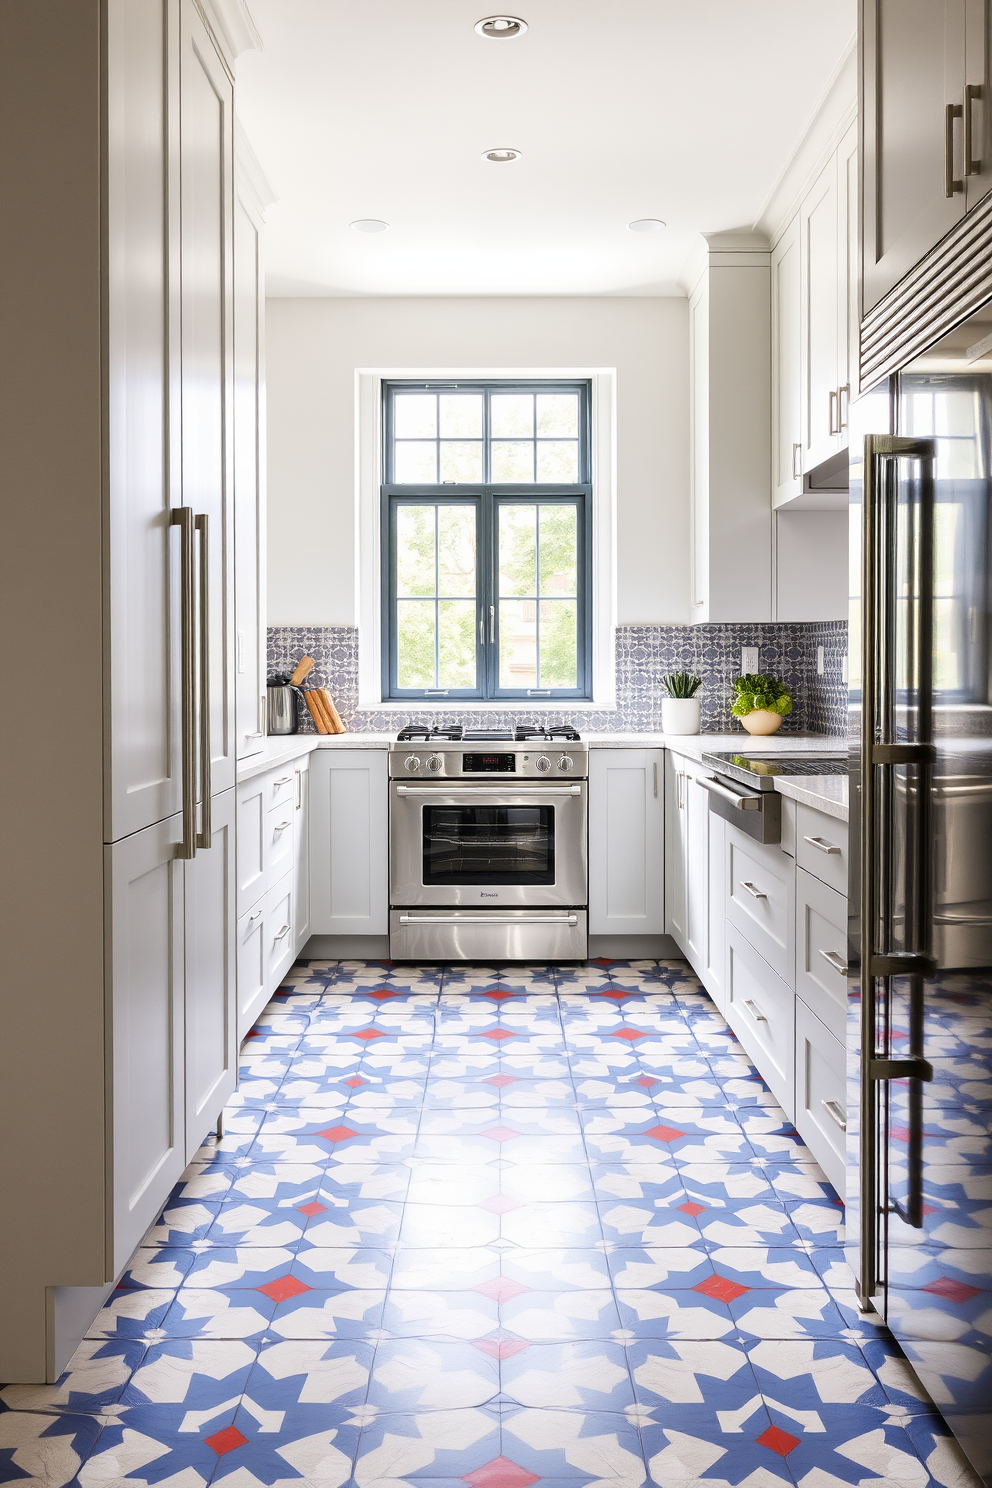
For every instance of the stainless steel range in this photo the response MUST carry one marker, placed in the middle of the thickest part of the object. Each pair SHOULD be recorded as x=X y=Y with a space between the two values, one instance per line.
x=488 y=845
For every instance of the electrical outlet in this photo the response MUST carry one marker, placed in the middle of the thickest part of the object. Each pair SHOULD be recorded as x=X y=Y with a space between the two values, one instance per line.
x=819 y=661
x=749 y=660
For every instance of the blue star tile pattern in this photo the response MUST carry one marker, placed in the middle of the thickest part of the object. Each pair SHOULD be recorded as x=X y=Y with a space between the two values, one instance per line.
x=492 y=1226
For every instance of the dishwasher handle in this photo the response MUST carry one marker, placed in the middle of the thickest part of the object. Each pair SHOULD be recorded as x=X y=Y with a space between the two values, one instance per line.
x=736 y=798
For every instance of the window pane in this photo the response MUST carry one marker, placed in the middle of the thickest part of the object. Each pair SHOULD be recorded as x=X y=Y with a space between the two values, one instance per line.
x=461 y=461
x=517 y=549
x=415 y=643
x=558 y=413
x=559 y=665
x=456 y=641
x=512 y=415
x=415 y=462
x=559 y=550
x=513 y=461
x=415 y=550
x=456 y=549
x=558 y=460
x=518 y=643
x=461 y=416
x=415 y=415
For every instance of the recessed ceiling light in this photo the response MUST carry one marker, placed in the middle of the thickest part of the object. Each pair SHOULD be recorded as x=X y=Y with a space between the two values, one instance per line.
x=369 y=225
x=501 y=157
x=646 y=224
x=499 y=26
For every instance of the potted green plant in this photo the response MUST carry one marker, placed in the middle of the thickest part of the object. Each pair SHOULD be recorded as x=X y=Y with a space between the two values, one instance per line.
x=680 y=708
x=760 y=702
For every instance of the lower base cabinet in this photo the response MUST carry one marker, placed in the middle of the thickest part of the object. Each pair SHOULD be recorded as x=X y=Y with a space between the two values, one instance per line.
x=821 y=1094
x=171 y=1030
x=760 y=1008
x=349 y=842
x=626 y=842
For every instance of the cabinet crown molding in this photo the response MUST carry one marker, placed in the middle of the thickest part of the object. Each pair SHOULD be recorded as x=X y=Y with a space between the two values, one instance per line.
x=232 y=24
x=250 y=176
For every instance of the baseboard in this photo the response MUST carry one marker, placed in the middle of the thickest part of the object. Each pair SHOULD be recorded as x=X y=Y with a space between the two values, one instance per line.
x=633 y=948
x=346 y=948
x=71 y=1310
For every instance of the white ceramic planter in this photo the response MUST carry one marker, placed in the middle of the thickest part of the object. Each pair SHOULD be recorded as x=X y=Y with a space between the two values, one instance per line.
x=762 y=721
x=680 y=715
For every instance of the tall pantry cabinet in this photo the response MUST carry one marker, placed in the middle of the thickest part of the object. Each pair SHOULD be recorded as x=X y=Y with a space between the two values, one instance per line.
x=117 y=446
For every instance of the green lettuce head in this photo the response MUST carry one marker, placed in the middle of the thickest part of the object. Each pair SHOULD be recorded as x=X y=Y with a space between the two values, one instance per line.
x=758 y=691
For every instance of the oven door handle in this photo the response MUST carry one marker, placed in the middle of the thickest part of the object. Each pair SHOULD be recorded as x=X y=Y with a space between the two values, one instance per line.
x=742 y=802
x=489 y=919
x=484 y=792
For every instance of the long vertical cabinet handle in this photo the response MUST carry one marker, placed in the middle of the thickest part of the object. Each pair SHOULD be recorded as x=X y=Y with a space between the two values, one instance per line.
x=203 y=835
x=972 y=95
x=951 y=184
x=879 y=752
x=182 y=517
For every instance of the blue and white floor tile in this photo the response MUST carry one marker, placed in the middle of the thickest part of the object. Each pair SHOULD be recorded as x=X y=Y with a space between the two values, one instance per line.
x=493 y=1226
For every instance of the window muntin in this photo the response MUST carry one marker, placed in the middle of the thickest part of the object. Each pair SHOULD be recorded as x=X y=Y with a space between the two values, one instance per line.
x=486 y=590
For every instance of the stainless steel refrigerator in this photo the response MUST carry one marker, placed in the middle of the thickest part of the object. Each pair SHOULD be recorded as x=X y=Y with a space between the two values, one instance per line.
x=920 y=1032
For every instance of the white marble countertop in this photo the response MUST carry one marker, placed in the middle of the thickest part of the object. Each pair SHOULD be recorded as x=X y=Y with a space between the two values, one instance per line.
x=827 y=793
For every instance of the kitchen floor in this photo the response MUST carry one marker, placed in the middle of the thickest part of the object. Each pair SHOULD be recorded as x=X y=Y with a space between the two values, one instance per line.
x=488 y=1226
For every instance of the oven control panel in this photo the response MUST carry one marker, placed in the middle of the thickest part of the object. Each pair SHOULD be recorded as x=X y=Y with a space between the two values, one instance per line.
x=458 y=763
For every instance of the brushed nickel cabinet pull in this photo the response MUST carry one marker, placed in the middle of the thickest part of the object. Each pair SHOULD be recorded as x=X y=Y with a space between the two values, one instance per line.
x=797 y=462
x=754 y=892
x=951 y=184
x=837 y=962
x=836 y=1113
x=843 y=406
x=183 y=518
x=283 y=932
x=206 y=787
x=822 y=844
x=755 y=1011
x=833 y=398
x=972 y=95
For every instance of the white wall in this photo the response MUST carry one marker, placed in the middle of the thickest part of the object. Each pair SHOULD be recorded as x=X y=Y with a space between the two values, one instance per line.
x=811 y=565
x=313 y=348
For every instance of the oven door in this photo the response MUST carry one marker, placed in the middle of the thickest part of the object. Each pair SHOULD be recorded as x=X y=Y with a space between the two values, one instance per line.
x=488 y=846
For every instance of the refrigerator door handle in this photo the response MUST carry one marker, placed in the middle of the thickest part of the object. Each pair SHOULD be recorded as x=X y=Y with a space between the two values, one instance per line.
x=882 y=752
x=206 y=786
x=183 y=518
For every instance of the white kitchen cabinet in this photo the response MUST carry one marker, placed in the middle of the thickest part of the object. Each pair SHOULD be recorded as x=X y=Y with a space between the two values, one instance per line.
x=821 y=277
x=821 y=1094
x=687 y=860
x=301 y=842
x=349 y=842
x=280 y=848
x=145 y=1029
x=787 y=418
x=626 y=841
x=676 y=850
x=251 y=197
x=206 y=168
x=280 y=930
x=252 y=842
x=760 y=1008
x=822 y=846
x=211 y=1045
x=821 y=951
x=715 y=976
x=253 y=965
x=760 y=888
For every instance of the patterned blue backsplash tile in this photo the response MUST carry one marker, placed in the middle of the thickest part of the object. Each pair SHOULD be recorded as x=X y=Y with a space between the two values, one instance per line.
x=645 y=653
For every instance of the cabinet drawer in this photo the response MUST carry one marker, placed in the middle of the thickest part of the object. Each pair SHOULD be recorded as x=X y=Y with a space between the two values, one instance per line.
x=280 y=786
x=252 y=967
x=252 y=843
x=280 y=926
x=760 y=899
x=821 y=1094
x=279 y=840
x=821 y=951
x=821 y=847
x=760 y=1010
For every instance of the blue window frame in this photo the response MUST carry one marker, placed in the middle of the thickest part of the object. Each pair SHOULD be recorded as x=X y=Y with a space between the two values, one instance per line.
x=486 y=540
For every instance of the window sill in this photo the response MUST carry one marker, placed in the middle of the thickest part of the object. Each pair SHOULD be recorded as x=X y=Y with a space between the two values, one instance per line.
x=481 y=705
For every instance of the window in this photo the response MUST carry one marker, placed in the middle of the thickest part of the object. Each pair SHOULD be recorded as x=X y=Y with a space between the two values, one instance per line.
x=486 y=523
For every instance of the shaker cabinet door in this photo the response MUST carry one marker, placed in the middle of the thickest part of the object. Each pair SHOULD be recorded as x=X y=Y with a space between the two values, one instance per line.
x=144 y=781
x=787 y=422
x=211 y=976
x=249 y=477
x=626 y=842
x=145 y=1029
x=207 y=201
x=913 y=140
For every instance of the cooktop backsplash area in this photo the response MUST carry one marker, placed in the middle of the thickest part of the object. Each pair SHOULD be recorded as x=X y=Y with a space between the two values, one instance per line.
x=645 y=654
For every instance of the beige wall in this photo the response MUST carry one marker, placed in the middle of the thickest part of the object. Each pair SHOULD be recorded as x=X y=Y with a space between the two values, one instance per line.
x=313 y=349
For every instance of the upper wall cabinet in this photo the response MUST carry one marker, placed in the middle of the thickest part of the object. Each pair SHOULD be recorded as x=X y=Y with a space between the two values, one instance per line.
x=927 y=139
x=814 y=335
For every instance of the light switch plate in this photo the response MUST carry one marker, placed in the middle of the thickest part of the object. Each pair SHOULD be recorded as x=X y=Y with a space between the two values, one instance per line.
x=749 y=659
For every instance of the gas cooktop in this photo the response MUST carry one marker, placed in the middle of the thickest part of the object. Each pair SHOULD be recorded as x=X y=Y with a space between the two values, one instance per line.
x=524 y=733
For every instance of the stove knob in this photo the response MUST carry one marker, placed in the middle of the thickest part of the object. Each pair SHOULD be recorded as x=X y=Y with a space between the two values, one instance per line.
x=544 y=764
x=435 y=763
x=566 y=762
x=412 y=762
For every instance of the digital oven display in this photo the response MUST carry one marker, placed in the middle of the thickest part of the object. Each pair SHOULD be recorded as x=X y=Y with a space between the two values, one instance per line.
x=489 y=764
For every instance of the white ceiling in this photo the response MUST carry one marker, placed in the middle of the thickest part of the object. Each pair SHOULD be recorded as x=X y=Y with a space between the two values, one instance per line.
x=622 y=109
